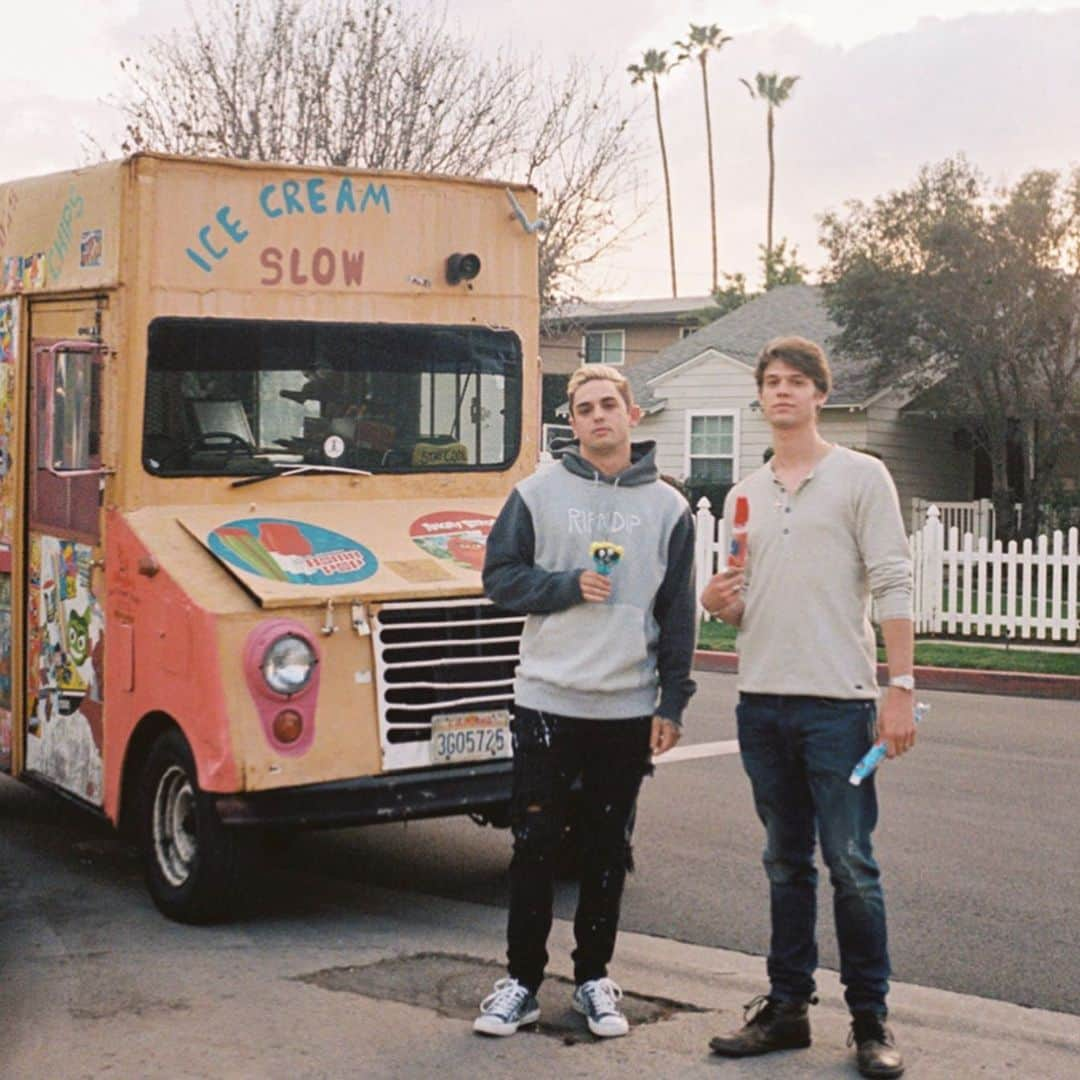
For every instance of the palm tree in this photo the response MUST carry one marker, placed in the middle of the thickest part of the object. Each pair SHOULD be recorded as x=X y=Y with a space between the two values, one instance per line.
x=774 y=91
x=653 y=64
x=699 y=43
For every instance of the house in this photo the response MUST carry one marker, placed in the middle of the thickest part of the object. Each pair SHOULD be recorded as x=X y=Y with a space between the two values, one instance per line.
x=620 y=332
x=629 y=332
x=700 y=403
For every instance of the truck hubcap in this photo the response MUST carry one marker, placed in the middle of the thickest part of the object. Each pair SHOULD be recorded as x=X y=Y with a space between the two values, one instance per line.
x=176 y=843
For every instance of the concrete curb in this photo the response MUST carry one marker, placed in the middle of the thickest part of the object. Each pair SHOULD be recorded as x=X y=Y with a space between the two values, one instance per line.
x=962 y=680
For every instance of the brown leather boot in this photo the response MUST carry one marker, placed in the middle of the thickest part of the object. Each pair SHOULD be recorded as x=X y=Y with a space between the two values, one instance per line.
x=876 y=1054
x=770 y=1025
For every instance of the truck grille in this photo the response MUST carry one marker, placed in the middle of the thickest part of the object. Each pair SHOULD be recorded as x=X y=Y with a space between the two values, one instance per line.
x=435 y=657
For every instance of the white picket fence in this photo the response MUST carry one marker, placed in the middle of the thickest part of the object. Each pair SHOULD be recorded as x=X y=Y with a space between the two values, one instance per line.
x=976 y=517
x=967 y=585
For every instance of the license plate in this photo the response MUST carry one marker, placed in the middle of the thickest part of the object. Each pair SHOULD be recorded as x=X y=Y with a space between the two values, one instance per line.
x=478 y=736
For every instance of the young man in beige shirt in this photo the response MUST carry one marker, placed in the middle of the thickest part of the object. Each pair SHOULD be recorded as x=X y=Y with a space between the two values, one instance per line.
x=825 y=537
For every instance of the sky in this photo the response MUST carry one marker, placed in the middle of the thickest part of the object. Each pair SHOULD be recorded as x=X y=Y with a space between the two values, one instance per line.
x=883 y=89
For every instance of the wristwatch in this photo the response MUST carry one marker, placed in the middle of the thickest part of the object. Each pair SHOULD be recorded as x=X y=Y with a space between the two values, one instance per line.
x=903 y=682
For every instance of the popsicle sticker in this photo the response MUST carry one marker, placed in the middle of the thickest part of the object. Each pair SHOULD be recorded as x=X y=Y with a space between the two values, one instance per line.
x=458 y=536
x=295 y=552
x=739 y=524
x=605 y=556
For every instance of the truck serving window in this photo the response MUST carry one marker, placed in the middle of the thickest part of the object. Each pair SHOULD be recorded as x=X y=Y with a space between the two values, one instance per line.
x=250 y=396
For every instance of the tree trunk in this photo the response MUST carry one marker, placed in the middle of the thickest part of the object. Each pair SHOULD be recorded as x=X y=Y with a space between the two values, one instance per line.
x=712 y=175
x=667 y=186
x=1003 y=496
x=772 y=184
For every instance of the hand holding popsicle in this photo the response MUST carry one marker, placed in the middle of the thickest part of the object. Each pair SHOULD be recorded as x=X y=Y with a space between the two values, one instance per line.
x=877 y=753
x=595 y=588
x=722 y=597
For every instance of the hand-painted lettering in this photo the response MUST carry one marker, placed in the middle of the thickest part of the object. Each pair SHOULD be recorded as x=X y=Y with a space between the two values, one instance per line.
x=352 y=266
x=198 y=260
x=346 y=200
x=73 y=209
x=264 y=201
x=323 y=266
x=294 y=268
x=232 y=228
x=204 y=239
x=315 y=195
x=291 y=190
x=271 y=259
x=378 y=195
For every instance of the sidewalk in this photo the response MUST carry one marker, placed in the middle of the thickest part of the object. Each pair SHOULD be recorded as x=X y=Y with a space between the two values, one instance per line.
x=367 y=982
x=963 y=680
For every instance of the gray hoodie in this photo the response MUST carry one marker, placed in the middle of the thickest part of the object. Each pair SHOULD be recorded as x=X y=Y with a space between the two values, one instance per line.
x=602 y=661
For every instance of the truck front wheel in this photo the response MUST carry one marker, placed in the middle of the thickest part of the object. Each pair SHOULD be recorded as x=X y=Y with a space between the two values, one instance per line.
x=190 y=859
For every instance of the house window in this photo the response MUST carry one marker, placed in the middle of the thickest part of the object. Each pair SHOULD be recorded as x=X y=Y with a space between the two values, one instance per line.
x=710 y=448
x=605 y=346
x=686 y=331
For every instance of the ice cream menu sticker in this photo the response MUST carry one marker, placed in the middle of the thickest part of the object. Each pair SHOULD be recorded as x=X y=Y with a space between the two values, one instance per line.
x=292 y=552
x=455 y=535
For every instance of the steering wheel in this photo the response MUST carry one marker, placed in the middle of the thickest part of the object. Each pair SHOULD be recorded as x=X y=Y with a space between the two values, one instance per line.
x=226 y=441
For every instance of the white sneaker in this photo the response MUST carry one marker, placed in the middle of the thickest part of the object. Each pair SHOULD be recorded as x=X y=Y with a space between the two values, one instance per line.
x=598 y=1001
x=506 y=1008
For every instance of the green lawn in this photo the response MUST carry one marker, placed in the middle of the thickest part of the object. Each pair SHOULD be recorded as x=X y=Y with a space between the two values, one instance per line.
x=715 y=635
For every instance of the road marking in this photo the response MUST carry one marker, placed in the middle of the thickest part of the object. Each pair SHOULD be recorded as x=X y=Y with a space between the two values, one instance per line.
x=698 y=750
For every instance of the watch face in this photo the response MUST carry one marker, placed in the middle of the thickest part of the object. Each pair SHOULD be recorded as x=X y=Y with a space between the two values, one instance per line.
x=904 y=682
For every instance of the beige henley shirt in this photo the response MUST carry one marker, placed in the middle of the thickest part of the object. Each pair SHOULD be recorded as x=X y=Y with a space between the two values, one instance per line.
x=815 y=559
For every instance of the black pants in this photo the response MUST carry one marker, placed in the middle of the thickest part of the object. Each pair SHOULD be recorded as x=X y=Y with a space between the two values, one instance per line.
x=550 y=752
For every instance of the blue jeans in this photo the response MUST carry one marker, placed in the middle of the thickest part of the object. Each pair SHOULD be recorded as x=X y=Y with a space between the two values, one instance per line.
x=798 y=752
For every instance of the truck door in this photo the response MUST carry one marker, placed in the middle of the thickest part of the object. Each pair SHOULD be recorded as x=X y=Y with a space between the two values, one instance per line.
x=9 y=487
x=65 y=619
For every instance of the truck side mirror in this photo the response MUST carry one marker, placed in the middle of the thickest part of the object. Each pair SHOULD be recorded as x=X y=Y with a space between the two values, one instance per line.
x=70 y=437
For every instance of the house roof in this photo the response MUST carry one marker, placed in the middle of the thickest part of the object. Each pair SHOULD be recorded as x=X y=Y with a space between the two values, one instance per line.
x=787 y=309
x=625 y=312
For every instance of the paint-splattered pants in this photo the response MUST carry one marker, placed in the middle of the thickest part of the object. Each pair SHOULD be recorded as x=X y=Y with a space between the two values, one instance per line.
x=550 y=752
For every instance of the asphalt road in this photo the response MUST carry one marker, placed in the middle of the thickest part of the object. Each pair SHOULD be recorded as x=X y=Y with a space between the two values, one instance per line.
x=979 y=843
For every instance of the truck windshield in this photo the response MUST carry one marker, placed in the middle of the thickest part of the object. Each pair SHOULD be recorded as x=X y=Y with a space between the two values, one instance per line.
x=249 y=396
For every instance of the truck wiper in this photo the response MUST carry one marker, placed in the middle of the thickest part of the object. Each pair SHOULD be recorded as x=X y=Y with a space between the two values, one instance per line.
x=296 y=470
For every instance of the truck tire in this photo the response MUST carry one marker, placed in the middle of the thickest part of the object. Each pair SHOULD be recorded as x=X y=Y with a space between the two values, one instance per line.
x=190 y=860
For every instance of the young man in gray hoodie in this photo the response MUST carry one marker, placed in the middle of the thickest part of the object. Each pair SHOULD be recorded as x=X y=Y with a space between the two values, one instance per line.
x=598 y=552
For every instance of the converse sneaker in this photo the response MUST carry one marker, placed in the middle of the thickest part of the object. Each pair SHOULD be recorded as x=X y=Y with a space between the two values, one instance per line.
x=506 y=1008
x=598 y=1001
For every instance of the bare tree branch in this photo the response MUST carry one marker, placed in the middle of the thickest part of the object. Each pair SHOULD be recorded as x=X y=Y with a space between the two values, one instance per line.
x=366 y=84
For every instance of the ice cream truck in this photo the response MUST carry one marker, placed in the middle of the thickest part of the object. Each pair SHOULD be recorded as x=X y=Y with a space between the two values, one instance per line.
x=255 y=425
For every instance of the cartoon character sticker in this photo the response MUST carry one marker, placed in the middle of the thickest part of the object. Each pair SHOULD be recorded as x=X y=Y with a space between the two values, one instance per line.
x=456 y=535
x=66 y=665
x=90 y=248
x=292 y=552
x=9 y=312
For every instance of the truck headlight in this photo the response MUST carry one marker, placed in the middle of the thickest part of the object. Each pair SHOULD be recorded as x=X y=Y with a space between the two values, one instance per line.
x=288 y=664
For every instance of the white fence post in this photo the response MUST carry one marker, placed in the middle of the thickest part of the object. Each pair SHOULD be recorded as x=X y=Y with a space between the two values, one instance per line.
x=706 y=530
